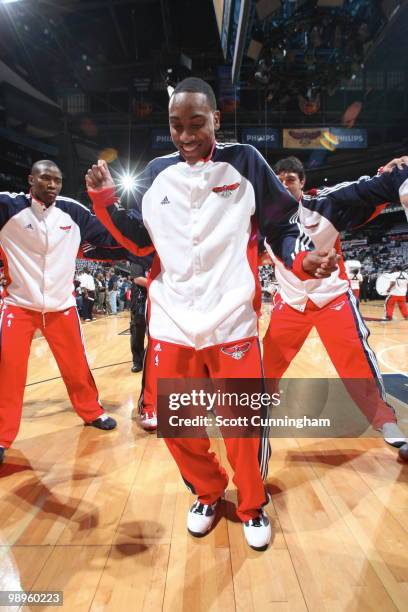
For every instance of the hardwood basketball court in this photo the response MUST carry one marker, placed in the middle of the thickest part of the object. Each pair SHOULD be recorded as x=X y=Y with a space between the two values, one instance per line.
x=101 y=515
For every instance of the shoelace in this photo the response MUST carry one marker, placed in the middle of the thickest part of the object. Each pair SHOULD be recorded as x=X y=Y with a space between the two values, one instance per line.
x=200 y=508
x=256 y=522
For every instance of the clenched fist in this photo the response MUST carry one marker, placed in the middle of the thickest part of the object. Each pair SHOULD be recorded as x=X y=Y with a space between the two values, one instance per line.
x=98 y=177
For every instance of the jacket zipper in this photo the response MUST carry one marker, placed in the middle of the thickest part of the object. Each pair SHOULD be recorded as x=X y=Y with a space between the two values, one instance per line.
x=43 y=278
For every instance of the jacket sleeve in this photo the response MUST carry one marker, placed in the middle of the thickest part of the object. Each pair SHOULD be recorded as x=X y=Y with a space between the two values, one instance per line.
x=274 y=204
x=277 y=215
x=349 y=205
x=290 y=244
x=125 y=224
x=102 y=253
x=9 y=205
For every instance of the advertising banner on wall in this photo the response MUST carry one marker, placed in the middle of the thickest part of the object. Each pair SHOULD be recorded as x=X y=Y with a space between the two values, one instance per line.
x=327 y=138
x=260 y=137
x=161 y=139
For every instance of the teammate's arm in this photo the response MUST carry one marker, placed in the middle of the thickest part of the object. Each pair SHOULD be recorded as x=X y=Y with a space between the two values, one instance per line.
x=349 y=205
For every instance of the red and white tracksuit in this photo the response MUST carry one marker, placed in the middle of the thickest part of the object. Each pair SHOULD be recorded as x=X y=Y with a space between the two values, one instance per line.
x=39 y=247
x=344 y=335
x=200 y=219
x=62 y=330
x=203 y=289
x=329 y=306
x=200 y=468
x=397 y=295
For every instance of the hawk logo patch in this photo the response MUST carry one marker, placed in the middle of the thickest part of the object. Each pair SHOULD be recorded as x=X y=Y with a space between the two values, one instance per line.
x=226 y=190
x=338 y=306
x=237 y=351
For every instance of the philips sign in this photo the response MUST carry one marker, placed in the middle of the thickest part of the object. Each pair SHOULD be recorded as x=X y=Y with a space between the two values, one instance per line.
x=261 y=137
x=161 y=140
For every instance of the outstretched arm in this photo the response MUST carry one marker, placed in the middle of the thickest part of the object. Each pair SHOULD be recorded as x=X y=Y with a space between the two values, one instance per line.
x=126 y=225
x=351 y=204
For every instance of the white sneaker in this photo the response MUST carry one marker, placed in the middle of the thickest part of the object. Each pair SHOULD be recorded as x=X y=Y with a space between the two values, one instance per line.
x=258 y=531
x=148 y=421
x=200 y=518
x=393 y=435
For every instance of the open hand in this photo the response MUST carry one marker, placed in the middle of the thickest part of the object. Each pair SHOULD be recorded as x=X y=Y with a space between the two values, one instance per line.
x=321 y=263
x=98 y=176
x=398 y=162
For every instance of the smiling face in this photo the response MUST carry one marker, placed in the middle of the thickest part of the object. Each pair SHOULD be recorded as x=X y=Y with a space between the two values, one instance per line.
x=45 y=182
x=192 y=125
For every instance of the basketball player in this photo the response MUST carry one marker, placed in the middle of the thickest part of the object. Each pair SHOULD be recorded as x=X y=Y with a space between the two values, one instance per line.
x=328 y=304
x=40 y=235
x=397 y=291
x=200 y=208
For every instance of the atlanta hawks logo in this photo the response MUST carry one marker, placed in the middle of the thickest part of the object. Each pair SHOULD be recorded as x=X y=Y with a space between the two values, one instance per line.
x=237 y=351
x=226 y=190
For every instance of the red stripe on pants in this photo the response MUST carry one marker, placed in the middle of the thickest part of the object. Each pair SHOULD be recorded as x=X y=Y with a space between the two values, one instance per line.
x=344 y=341
x=63 y=334
x=199 y=466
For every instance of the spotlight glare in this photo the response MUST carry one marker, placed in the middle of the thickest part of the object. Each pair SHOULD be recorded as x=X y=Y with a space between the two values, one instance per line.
x=170 y=90
x=128 y=182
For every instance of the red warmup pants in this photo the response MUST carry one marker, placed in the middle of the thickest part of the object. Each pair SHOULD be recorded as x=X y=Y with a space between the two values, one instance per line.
x=62 y=331
x=199 y=467
x=390 y=305
x=344 y=335
x=356 y=293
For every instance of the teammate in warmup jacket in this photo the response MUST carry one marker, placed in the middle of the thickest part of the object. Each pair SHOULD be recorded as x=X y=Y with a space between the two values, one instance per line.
x=40 y=235
x=397 y=294
x=200 y=209
x=329 y=304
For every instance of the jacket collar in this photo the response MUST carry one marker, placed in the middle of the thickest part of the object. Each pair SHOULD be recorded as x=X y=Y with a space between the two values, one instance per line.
x=39 y=208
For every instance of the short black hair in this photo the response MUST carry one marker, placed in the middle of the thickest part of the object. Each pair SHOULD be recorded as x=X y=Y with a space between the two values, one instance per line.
x=195 y=85
x=44 y=162
x=290 y=164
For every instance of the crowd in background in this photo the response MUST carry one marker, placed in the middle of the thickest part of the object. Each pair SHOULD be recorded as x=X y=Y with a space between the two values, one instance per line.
x=378 y=258
x=100 y=290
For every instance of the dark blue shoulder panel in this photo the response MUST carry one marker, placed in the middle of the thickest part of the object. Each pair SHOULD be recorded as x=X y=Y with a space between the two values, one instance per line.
x=11 y=204
x=274 y=204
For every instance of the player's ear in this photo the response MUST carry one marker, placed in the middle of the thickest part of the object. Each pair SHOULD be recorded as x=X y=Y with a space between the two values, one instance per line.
x=30 y=180
x=217 y=120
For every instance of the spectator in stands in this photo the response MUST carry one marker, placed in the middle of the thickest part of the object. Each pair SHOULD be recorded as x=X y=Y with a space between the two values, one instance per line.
x=113 y=292
x=364 y=286
x=100 y=292
x=137 y=316
x=87 y=283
